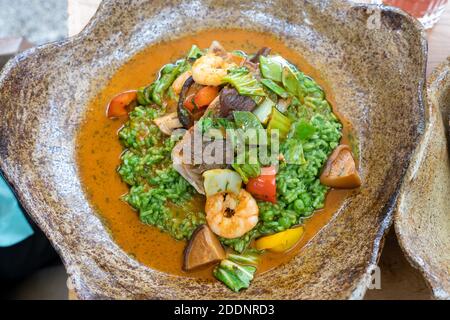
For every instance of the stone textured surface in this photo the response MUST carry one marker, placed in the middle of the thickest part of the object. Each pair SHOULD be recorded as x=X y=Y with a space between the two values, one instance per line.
x=422 y=219
x=37 y=149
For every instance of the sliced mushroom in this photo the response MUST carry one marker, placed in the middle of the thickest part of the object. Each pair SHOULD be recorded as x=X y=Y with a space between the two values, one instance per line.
x=184 y=115
x=231 y=100
x=340 y=171
x=184 y=163
x=168 y=123
x=179 y=82
x=203 y=249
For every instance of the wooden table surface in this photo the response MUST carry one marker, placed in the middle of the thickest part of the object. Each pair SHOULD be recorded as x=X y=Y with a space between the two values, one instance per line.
x=398 y=279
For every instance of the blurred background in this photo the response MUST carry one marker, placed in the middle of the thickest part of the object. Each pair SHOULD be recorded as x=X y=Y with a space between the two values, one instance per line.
x=39 y=21
x=27 y=23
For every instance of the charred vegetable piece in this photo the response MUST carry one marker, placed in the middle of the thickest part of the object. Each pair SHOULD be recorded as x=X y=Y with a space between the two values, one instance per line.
x=184 y=115
x=264 y=186
x=234 y=276
x=231 y=100
x=118 y=105
x=280 y=242
x=244 y=82
x=340 y=170
x=221 y=180
x=203 y=249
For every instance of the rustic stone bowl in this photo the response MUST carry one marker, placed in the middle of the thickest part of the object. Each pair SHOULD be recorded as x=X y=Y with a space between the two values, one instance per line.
x=422 y=218
x=372 y=57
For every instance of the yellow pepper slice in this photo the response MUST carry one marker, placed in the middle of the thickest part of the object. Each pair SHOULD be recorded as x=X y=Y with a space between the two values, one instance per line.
x=280 y=242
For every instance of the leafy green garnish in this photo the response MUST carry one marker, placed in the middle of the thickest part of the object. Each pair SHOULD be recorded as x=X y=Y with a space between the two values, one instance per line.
x=168 y=75
x=293 y=152
x=264 y=110
x=209 y=121
x=246 y=120
x=168 y=68
x=239 y=53
x=247 y=171
x=195 y=53
x=233 y=275
x=270 y=68
x=141 y=99
x=302 y=130
x=271 y=85
x=248 y=257
x=144 y=95
x=290 y=81
x=244 y=82
x=249 y=132
x=279 y=122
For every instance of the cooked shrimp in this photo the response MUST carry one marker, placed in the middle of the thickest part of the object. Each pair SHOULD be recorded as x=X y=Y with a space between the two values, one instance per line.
x=179 y=82
x=210 y=69
x=230 y=215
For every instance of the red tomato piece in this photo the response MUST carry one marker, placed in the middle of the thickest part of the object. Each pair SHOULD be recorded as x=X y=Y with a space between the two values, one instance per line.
x=264 y=187
x=205 y=96
x=118 y=105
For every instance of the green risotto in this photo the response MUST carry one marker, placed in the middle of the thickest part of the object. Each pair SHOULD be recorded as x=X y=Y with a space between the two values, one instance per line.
x=157 y=191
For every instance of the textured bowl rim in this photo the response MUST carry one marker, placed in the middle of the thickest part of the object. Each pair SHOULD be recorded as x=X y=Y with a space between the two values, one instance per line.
x=384 y=226
x=434 y=86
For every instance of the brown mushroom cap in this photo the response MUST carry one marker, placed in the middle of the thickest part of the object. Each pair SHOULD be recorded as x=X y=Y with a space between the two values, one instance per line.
x=340 y=170
x=231 y=100
x=203 y=249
